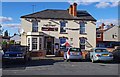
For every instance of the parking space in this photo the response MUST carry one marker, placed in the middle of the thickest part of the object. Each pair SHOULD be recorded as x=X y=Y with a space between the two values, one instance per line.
x=57 y=66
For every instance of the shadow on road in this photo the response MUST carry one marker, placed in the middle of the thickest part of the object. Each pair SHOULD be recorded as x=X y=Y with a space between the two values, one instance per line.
x=21 y=66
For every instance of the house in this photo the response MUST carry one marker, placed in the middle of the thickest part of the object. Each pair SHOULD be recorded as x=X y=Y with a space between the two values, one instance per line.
x=49 y=29
x=16 y=38
x=108 y=36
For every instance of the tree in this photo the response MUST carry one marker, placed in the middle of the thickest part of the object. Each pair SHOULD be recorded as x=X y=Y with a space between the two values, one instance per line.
x=6 y=33
x=1 y=30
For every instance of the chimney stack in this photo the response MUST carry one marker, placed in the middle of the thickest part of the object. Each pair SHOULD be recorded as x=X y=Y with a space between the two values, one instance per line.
x=70 y=9
x=73 y=9
x=102 y=26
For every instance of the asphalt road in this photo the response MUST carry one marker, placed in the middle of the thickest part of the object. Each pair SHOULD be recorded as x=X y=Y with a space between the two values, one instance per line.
x=59 y=67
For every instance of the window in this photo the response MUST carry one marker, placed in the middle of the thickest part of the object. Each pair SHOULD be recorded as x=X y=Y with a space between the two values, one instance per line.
x=98 y=35
x=40 y=43
x=34 y=43
x=75 y=50
x=62 y=40
x=82 y=43
x=101 y=50
x=71 y=41
x=29 y=43
x=62 y=26
x=82 y=28
x=35 y=26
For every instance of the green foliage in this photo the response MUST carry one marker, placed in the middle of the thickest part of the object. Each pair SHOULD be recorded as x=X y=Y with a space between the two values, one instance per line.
x=4 y=43
x=11 y=42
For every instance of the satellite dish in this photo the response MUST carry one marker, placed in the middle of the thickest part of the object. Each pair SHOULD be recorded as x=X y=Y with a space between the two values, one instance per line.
x=21 y=31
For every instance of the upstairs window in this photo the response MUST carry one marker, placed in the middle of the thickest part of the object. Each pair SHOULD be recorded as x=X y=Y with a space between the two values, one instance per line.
x=82 y=28
x=62 y=27
x=35 y=26
x=98 y=35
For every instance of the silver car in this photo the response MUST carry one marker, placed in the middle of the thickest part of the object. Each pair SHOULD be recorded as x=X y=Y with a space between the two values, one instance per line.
x=73 y=53
x=100 y=54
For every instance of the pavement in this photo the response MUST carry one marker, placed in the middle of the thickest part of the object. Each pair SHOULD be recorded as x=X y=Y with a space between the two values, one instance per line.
x=56 y=66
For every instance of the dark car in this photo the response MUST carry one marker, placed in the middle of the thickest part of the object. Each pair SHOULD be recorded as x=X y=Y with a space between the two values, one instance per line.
x=16 y=53
x=116 y=54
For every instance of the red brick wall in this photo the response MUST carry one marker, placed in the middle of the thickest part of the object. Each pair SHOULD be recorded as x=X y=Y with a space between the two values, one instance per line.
x=41 y=53
x=99 y=39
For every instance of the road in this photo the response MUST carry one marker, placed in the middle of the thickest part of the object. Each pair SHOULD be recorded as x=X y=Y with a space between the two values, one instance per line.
x=59 y=67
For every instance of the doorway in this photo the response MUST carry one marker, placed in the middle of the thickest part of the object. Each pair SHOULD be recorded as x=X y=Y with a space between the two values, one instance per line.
x=49 y=45
x=49 y=48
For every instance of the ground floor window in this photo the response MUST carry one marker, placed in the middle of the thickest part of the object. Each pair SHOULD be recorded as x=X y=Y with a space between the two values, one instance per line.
x=29 y=43
x=34 y=43
x=82 y=43
x=40 y=43
x=62 y=40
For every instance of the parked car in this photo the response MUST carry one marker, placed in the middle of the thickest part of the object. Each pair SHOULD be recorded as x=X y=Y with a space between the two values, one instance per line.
x=1 y=53
x=116 y=54
x=73 y=53
x=100 y=54
x=17 y=53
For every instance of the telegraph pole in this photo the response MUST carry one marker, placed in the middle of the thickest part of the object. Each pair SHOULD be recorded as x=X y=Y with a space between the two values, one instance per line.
x=33 y=8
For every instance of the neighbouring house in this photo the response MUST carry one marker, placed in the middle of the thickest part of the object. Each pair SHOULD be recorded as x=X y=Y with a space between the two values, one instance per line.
x=16 y=38
x=108 y=36
x=49 y=29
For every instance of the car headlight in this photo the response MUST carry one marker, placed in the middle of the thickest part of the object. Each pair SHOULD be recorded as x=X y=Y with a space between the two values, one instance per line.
x=6 y=55
x=19 y=54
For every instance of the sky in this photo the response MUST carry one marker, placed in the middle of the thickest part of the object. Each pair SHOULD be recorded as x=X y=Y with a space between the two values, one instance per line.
x=106 y=12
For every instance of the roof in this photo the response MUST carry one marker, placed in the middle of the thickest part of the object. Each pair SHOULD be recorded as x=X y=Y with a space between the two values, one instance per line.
x=15 y=37
x=60 y=14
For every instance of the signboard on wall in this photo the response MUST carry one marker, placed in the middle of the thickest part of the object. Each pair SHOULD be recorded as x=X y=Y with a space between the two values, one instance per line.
x=49 y=29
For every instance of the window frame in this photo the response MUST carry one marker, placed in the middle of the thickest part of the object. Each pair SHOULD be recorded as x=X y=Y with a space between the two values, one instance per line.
x=99 y=35
x=35 y=43
x=35 y=26
x=82 y=46
x=62 y=26
x=82 y=28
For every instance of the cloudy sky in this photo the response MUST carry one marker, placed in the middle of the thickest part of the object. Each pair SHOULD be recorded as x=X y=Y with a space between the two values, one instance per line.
x=106 y=12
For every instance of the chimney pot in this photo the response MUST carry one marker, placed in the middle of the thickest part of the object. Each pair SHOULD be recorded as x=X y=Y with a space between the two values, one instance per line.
x=102 y=26
x=111 y=24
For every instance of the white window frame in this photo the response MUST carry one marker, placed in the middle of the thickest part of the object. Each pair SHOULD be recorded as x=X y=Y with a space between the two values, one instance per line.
x=35 y=43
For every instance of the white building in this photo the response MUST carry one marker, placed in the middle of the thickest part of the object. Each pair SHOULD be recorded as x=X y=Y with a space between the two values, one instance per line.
x=112 y=34
x=48 y=29
x=16 y=38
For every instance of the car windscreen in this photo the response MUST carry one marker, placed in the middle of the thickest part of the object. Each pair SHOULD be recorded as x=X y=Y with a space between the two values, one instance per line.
x=16 y=49
x=101 y=50
x=74 y=49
